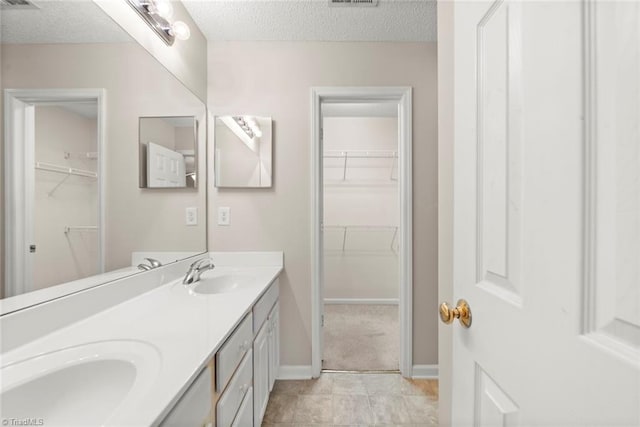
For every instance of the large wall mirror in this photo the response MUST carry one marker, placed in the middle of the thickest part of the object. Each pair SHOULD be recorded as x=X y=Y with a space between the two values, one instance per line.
x=243 y=151
x=73 y=213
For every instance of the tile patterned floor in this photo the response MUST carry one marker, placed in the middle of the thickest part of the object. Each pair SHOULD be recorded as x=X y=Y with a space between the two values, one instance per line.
x=353 y=400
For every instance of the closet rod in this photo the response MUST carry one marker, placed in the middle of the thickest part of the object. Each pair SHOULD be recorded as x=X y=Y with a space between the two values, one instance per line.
x=346 y=155
x=360 y=154
x=50 y=167
x=70 y=228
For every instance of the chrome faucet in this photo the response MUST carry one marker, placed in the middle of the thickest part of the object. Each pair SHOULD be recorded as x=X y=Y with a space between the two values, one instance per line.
x=196 y=269
x=153 y=263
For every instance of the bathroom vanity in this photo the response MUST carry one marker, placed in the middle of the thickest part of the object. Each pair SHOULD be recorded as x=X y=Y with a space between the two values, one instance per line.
x=233 y=388
x=158 y=352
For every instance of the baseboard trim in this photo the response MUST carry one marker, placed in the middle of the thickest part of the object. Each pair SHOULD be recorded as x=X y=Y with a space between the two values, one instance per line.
x=295 y=372
x=425 y=371
x=373 y=301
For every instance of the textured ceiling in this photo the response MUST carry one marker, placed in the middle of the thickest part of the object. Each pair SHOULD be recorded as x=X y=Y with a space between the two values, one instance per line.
x=314 y=20
x=60 y=21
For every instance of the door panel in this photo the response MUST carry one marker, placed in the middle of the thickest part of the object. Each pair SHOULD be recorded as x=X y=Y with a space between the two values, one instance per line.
x=493 y=406
x=261 y=373
x=498 y=156
x=546 y=213
x=165 y=168
x=613 y=308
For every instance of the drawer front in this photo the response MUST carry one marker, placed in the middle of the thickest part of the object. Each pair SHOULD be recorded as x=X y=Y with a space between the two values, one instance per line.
x=194 y=407
x=235 y=392
x=262 y=308
x=245 y=413
x=231 y=353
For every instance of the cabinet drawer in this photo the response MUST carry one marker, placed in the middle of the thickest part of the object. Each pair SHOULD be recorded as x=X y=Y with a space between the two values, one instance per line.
x=245 y=413
x=194 y=407
x=262 y=308
x=235 y=393
x=232 y=352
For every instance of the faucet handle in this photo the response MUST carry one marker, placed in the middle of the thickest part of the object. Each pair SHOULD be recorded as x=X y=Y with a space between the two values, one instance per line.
x=154 y=262
x=197 y=265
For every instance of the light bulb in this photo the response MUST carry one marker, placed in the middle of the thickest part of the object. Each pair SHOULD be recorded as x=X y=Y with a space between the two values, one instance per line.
x=180 y=30
x=164 y=8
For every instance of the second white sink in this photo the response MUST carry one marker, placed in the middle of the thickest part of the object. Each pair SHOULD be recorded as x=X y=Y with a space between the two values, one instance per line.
x=223 y=283
x=83 y=385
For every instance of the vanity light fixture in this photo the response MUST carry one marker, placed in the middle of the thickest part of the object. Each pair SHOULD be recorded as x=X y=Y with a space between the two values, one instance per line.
x=157 y=14
x=249 y=125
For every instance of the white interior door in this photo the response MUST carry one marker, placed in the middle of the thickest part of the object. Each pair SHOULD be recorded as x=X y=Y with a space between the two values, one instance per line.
x=165 y=167
x=547 y=213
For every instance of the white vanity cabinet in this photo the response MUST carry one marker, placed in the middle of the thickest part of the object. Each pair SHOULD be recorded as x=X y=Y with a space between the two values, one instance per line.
x=194 y=407
x=274 y=345
x=234 y=374
x=266 y=350
x=233 y=389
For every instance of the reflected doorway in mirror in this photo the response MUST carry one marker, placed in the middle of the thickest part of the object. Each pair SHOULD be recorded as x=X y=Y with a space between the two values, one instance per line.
x=168 y=155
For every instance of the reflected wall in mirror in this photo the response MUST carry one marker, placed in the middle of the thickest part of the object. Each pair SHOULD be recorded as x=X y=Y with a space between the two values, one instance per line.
x=243 y=151
x=168 y=152
x=88 y=221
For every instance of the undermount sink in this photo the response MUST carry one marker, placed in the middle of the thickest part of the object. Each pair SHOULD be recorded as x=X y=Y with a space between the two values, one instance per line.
x=223 y=283
x=83 y=385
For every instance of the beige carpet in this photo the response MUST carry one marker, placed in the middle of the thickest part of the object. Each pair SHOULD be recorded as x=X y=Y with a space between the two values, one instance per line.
x=361 y=337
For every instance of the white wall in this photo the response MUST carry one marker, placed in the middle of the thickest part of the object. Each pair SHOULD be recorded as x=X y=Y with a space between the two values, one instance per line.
x=367 y=268
x=62 y=257
x=158 y=131
x=274 y=79
x=136 y=85
x=445 y=202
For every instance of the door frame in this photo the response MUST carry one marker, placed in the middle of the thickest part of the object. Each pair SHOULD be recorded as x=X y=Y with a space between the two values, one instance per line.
x=19 y=183
x=403 y=96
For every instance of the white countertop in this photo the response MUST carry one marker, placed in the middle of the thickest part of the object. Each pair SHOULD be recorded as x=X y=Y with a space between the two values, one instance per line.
x=185 y=329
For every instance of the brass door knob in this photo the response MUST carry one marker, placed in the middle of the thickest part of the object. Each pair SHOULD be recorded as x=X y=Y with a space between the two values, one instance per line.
x=462 y=312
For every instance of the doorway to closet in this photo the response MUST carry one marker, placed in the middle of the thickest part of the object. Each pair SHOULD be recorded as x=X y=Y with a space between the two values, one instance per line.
x=54 y=231
x=362 y=230
x=360 y=198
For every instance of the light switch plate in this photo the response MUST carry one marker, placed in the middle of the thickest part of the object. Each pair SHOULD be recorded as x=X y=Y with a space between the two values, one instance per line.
x=224 y=215
x=191 y=216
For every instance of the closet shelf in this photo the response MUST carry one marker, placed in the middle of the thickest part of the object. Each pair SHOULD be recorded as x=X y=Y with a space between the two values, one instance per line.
x=50 y=167
x=346 y=229
x=379 y=155
x=70 y=228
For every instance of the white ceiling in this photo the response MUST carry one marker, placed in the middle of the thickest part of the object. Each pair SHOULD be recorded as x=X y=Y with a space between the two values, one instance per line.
x=314 y=20
x=81 y=21
x=60 y=21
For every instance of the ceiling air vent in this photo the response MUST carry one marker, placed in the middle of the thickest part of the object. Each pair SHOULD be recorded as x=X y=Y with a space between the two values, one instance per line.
x=353 y=3
x=16 y=4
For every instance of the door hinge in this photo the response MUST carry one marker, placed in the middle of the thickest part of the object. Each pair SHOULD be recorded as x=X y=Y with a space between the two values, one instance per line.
x=32 y=249
x=322 y=320
x=321 y=133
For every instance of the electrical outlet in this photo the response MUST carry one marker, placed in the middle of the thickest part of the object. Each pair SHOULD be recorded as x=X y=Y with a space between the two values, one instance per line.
x=224 y=215
x=191 y=216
